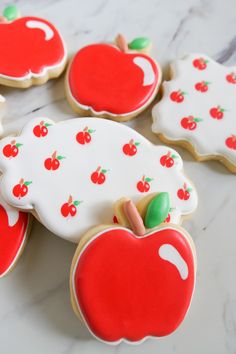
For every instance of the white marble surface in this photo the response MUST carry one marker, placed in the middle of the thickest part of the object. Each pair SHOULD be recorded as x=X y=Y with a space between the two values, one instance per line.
x=35 y=312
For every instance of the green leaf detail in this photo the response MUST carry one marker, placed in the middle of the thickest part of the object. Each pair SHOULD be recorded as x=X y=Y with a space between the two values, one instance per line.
x=103 y=171
x=27 y=183
x=60 y=157
x=47 y=125
x=157 y=210
x=189 y=190
x=90 y=131
x=198 y=120
x=11 y=12
x=76 y=202
x=18 y=145
x=136 y=144
x=174 y=156
x=148 y=179
x=139 y=43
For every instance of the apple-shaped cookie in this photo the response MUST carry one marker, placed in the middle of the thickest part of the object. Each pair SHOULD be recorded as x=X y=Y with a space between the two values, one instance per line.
x=31 y=52
x=113 y=81
x=14 y=228
x=129 y=287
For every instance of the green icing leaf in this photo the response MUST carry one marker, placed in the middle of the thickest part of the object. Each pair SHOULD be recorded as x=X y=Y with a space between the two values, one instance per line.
x=139 y=43
x=104 y=171
x=148 y=179
x=90 y=131
x=60 y=157
x=157 y=210
x=136 y=144
x=18 y=145
x=27 y=183
x=47 y=124
x=76 y=202
x=11 y=12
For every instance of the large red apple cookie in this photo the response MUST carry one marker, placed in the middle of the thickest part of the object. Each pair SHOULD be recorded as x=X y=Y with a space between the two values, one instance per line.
x=198 y=109
x=129 y=285
x=14 y=229
x=115 y=81
x=31 y=50
x=67 y=173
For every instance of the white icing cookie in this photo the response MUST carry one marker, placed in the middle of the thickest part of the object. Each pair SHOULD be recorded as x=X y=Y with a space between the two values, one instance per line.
x=198 y=109
x=69 y=173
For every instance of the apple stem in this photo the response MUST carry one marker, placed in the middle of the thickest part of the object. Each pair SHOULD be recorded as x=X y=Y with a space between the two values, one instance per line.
x=131 y=142
x=143 y=178
x=21 y=181
x=85 y=129
x=98 y=169
x=41 y=123
x=134 y=218
x=70 y=199
x=168 y=154
x=13 y=142
x=54 y=155
x=121 y=43
x=185 y=186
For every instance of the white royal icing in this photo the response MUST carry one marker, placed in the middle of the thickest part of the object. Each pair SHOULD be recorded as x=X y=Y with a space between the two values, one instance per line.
x=12 y=213
x=50 y=189
x=42 y=26
x=146 y=67
x=210 y=135
x=169 y=253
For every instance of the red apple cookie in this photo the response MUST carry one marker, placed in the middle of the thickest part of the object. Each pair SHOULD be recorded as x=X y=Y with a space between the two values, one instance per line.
x=14 y=229
x=31 y=50
x=198 y=109
x=114 y=81
x=130 y=285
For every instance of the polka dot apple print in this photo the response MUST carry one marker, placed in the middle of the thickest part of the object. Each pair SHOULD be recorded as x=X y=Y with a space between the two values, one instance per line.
x=143 y=185
x=70 y=207
x=53 y=163
x=200 y=63
x=12 y=149
x=231 y=78
x=202 y=86
x=21 y=189
x=168 y=160
x=231 y=142
x=84 y=137
x=99 y=175
x=130 y=149
x=177 y=96
x=190 y=122
x=217 y=112
x=184 y=193
x=41 y=129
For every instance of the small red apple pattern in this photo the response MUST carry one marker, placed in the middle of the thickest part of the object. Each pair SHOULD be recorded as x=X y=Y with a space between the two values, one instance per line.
x=69 y=208
x=217 y=112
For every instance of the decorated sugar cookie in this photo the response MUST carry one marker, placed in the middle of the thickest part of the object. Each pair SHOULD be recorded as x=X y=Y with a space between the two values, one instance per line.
x=129 y=285
x=115 y=81
x=31 y=50
x=198 y=109
x=14 y=229
x=67 y=174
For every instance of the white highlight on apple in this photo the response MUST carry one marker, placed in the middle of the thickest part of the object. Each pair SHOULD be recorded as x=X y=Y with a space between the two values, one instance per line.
x=42 y=26
x=169 y=253
x=146 y=67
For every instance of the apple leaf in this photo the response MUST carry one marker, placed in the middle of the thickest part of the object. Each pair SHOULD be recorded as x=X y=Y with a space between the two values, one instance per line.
x=174 y=156
x=136 y=143
x=76 y=202
x=147 y=179
x=18 y=145
x=198 y=120
x=60 y=157
x=27 y=183
x=157 y=210
x=90 y=131
x=11 y=12
x=139 y=43
x=47 y=125
x=103 y=171
x=189 y=190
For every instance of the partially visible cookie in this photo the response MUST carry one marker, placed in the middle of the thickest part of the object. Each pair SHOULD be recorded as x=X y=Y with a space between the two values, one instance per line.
x=115 y=81
x=198 y=109
x=32 y=50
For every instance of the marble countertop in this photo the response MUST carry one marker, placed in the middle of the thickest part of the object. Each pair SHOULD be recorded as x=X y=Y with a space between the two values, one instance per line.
x=35 y=311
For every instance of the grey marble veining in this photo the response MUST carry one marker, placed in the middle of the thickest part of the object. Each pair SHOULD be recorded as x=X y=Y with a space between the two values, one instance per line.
x=35 y=312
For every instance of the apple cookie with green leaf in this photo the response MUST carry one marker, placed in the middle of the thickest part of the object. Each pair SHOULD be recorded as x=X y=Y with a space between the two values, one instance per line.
x=134 y=280
x=117 y=80
x=51 y=167
x=198 y=108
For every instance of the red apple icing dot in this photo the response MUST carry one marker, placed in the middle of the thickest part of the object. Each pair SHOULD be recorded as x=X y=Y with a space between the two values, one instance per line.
x=130 y=149
x=12 y=149
x=53 y=163
x=99 y=176
x=202 y=86
x=143 y=185
x=190 y=122
x=41 y=129
x=184 y=193
x=230 y=142
x=217 y=112
x=21 y=189
x=231 y=78
x=200 y=63
x=177 y=96
x=168 y=160
x=84 y=137
x=70 y=207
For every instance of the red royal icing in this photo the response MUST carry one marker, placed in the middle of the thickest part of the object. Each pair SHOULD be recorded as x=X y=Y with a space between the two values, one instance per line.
x=11 y=239
x=25 y=50
x=106 y=79
x=126 y=290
